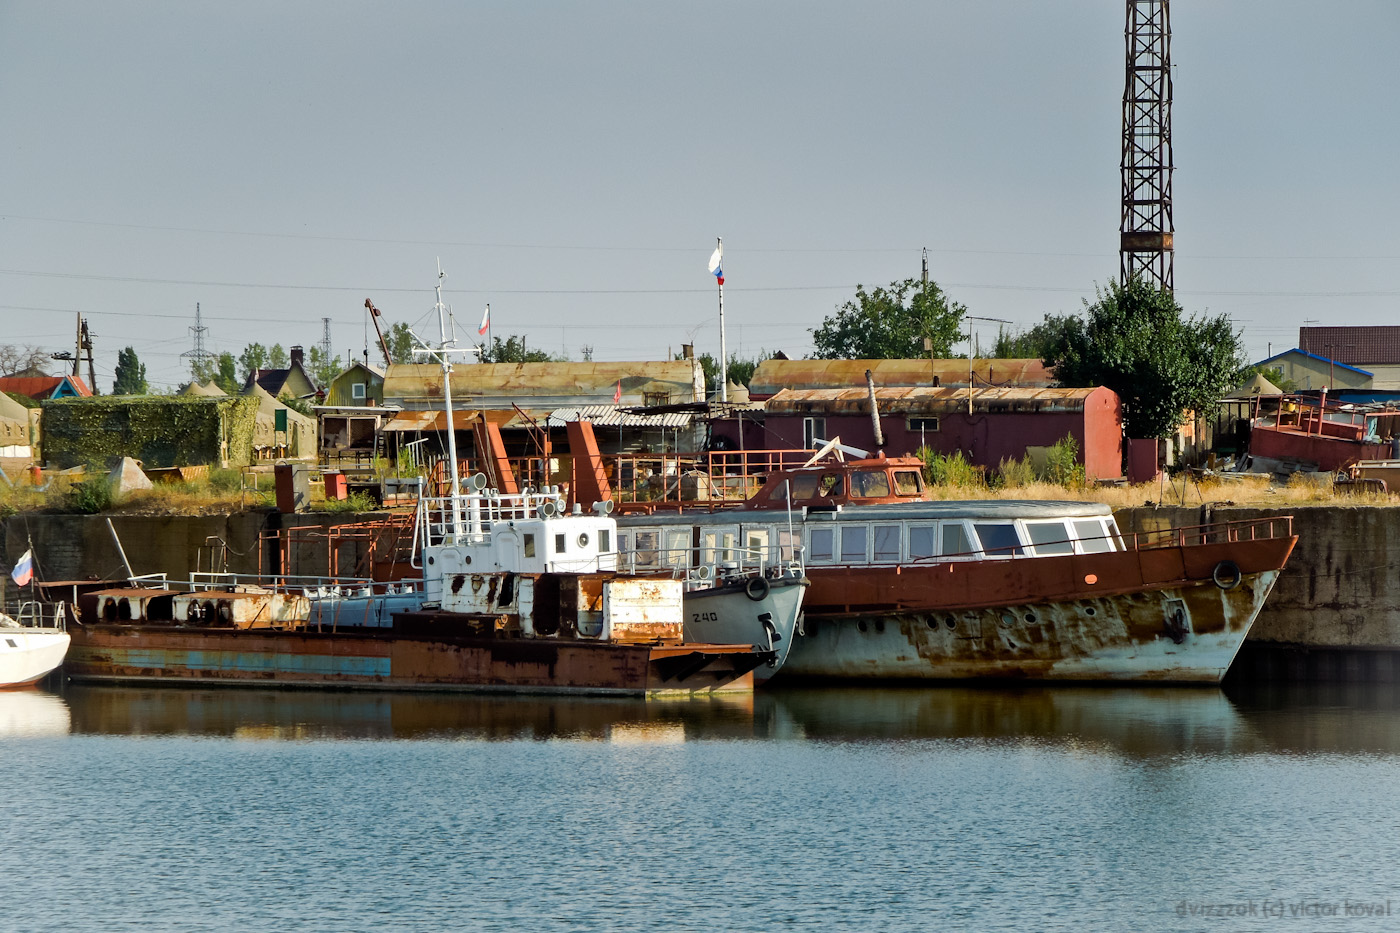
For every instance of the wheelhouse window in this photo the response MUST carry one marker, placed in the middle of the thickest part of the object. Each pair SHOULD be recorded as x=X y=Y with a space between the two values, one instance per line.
x=886 y=538
x=821 y=544
x=830 y=485
x=788 y=542
x=870 y=484
x=804 y=486
x=756 y=546
x=604 y=542
x=999 y=539
x=908 y=483
x=854 y=543
x=529 y=541
x=647 y=544
x=560 y=543
x=1049 y=538
x=677 y=546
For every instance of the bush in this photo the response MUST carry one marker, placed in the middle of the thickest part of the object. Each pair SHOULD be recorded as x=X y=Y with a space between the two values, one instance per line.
x=91 y=496
x=1062 y=464
x=1015 y=472
x=225 y=480
x=355 y=502
x=949 y=469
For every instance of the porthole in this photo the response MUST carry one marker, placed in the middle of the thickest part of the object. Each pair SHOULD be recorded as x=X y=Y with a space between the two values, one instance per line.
x=466 y=558
x=431 y=561
x=933 y=624
x=861 y=625
x=951 y=622
x=1030 y=617
x=1008 y=619
x=1089 y=610
x=879 y=625
x=583 y=540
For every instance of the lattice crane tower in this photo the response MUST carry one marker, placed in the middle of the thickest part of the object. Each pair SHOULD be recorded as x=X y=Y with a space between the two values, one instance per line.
x=1145 y=242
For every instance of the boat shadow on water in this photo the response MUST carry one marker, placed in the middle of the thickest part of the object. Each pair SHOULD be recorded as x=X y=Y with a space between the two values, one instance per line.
x=1146 y=723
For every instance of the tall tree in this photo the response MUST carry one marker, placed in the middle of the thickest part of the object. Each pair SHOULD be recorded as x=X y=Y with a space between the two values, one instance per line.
x=130 y=373
x=226 y=374
x=891 y=323
x=401 y=343
x=15 y=358
x=1136 y=340
x=513 y=350
x=277 y=357
x=322 y=368
x=253 y=358
x=1032 y=344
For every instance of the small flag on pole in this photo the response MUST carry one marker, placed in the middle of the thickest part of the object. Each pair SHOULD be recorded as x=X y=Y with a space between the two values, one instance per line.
x=717 y=264
x=617 y=396
x=485 y=321
x=24 y=569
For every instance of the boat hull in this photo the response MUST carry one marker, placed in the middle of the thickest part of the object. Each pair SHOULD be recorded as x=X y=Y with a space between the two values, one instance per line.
x=433 y=658
x=1183 y=633
x=28 y=655
x=732 y=614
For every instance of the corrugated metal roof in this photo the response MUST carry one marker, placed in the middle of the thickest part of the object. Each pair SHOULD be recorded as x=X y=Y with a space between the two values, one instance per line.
x=544 y=386
x=1359 y=345
x=436 y=419
x=772 y=376
x=614 y=416
x=926 y=399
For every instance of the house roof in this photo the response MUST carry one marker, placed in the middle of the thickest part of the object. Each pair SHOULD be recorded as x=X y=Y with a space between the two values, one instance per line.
x=273 y=381
x=541 y=386
x=1256 y=385
x=772 y=376
x=1313 y=356
x=43 y=387
x=921 y=399
x=1359 y=345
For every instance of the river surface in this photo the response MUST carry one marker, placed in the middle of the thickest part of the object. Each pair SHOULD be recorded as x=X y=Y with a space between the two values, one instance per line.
x=1265 y=808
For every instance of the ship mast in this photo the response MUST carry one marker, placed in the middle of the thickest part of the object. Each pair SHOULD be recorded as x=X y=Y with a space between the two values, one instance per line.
x=443 y=354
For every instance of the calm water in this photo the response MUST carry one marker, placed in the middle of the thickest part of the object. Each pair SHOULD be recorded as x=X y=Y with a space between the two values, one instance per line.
x=1086 y=809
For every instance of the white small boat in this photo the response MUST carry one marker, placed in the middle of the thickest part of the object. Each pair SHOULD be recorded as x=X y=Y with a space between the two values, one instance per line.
x=28 y=653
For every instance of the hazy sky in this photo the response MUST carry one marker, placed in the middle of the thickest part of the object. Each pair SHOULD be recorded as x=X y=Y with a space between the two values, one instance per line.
x=572 y=164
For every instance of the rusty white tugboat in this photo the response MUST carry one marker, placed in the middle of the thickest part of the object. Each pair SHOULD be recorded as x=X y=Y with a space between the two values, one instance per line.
x=906 y=588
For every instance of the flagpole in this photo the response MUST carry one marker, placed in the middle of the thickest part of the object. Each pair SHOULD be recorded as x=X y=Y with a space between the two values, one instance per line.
x=723 y=349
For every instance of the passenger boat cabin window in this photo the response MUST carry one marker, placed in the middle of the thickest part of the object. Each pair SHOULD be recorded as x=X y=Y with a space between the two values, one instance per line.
x=853 y=543
x=677 y=546
x=647 y=544
x=530 y=545
x=908 y=483
x=787 y=545
x=821 y=544
x=804 y=486
x=999 y=539
x=870 y=484
x=1049 y=538
x=756 y=541
x=1092 y=539
x=921 y=541
x=955 y=541
x=887 y=542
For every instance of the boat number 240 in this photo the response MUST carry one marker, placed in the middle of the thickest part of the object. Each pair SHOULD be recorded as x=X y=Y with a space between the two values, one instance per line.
x=704 y=617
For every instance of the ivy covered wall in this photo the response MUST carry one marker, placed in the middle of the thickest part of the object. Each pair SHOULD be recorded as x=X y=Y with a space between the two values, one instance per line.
x=160 y=431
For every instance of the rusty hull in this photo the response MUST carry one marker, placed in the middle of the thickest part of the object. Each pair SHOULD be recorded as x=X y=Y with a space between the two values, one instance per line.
x=1152 y=614
x=446 y=661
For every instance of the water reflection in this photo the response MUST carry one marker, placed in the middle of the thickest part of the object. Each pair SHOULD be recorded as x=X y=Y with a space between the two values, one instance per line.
x=1137 y=723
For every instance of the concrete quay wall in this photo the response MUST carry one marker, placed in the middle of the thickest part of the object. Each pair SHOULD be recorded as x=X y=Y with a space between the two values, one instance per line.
x=1335 y=612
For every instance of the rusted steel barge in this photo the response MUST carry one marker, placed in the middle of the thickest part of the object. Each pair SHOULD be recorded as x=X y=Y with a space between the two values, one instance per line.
x=905 y=588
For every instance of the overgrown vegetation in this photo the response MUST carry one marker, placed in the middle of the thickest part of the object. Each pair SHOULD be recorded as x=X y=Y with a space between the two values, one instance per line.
x=950 y=469
x=160 y=431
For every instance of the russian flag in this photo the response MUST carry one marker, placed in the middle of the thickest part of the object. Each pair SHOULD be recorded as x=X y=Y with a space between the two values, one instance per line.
x=485 y=321
x=717 y=264
x=24 y=569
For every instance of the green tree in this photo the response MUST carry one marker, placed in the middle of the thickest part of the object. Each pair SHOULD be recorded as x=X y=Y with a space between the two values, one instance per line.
x=1136 y=340
x=277 y=357
x=322 y=368
x=131 y=374
x=401 y=343
x=891 y=323
x=226 y=374
x=253 y=358
x=1033 y=344
x=513 y=350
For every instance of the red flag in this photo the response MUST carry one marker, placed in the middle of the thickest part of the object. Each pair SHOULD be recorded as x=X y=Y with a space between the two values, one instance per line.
x=617 y=396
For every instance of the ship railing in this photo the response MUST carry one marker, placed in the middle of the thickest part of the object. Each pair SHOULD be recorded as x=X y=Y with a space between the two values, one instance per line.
x=481 y=511
x=33 y=613
x=1231 y=532
x=310 y=586
x=712 y=563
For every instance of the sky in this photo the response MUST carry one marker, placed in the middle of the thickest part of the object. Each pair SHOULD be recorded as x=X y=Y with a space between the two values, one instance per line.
x=571 y=164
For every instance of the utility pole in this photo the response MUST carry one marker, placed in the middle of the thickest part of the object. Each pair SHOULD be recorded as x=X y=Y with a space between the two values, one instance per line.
x=1146 y=232
x=199 y=356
